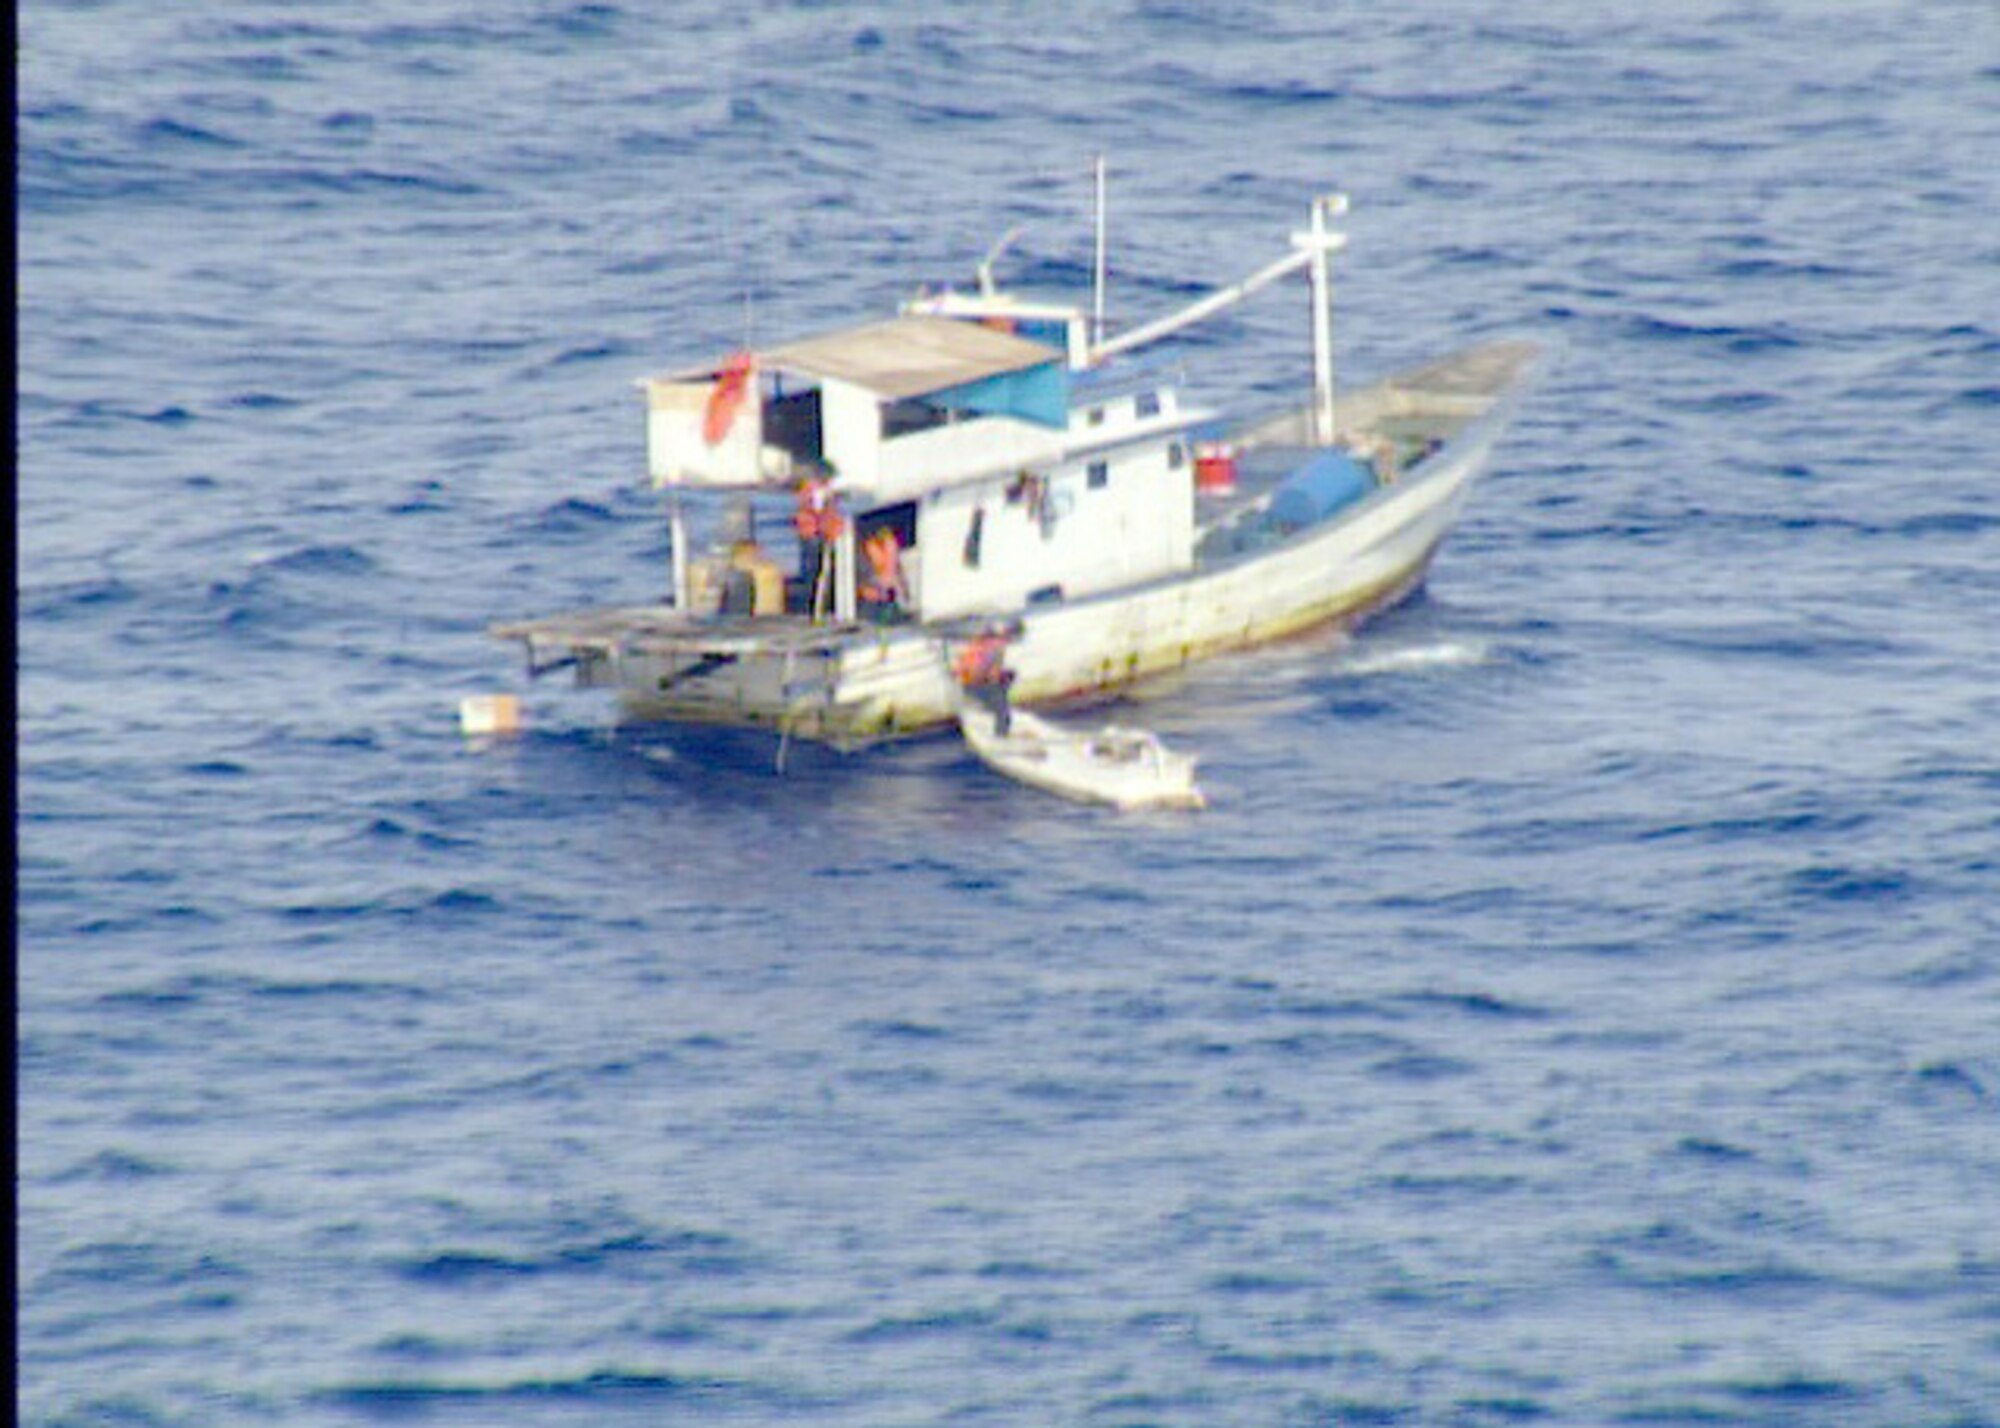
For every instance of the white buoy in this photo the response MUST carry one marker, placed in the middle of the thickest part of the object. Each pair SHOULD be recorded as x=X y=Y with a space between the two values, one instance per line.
x=487 y=715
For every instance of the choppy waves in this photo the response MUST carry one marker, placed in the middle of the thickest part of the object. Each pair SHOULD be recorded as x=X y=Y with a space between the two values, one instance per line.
x=1576 y=1006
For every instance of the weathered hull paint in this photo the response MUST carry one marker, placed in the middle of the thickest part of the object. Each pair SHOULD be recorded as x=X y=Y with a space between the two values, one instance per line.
x=895 y=682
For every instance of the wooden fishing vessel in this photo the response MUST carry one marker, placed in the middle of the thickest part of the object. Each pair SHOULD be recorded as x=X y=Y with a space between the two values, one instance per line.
x=983 y=456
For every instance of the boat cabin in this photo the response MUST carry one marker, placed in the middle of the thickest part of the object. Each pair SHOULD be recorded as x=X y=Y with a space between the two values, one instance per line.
x=964 y=431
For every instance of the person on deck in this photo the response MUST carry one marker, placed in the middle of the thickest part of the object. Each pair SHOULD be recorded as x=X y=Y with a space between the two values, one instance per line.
x=819 y=523
x=882 y=591
x=981 y=669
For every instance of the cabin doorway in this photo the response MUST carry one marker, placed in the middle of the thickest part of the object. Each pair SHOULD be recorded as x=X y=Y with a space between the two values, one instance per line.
x=886 y=548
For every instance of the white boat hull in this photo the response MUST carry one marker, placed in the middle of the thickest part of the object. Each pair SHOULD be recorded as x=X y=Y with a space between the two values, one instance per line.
x=1123 y=768
x=897 y=682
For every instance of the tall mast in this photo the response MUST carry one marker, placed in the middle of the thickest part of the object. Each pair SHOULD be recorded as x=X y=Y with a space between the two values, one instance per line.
x=1319 y=243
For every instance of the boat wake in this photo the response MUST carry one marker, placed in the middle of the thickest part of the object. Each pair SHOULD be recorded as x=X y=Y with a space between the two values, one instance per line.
x=1446 y=654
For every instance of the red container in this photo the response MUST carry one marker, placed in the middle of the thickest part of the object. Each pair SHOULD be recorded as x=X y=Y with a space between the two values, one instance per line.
x=1214 y=468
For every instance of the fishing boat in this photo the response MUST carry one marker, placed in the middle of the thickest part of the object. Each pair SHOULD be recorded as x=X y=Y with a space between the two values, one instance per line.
x=983 y=456
x=1128 y=769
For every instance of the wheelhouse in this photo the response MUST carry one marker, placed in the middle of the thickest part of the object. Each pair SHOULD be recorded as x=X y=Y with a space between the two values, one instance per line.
x=958 y=432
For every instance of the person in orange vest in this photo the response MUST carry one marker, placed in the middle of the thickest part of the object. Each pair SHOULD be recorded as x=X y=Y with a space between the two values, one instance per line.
x=819 y=523
x=883 y=589
x=981 y=669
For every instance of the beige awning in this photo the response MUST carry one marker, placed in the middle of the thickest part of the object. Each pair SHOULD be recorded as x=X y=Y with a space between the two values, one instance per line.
x=910 y=356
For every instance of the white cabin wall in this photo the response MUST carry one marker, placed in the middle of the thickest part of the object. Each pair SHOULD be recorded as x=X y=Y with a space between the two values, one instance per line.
x=910 y=464
x=1122 y=409
x=678 y=453
x=950 y=586
x=850 y=430
x=1139 y=525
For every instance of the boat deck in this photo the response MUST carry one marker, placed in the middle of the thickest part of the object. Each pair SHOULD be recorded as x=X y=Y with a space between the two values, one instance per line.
x=1436 y=399
x=578 y=635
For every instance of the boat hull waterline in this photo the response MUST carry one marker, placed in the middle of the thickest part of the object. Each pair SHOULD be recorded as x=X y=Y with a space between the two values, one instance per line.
x=852 y=685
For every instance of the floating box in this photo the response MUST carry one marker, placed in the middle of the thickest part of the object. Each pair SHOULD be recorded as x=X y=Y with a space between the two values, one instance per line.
x=484 y=714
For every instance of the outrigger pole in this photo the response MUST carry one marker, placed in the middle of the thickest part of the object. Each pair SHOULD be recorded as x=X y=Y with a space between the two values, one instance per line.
x=1313 y=247
x=1195 y=311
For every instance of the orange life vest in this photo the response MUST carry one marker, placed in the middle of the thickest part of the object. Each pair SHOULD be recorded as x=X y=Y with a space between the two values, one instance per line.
x=817 y=517
x=979 y=663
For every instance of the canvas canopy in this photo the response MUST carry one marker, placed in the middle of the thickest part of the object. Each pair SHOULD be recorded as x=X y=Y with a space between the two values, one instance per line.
x=911 y=356
x=695 y=436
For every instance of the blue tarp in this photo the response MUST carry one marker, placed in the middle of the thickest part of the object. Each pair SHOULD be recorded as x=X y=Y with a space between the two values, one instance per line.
x=1325 y=484
x=1037 y=394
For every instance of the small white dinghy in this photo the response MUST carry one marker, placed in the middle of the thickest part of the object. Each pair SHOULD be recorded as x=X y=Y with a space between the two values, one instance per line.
x=1126 y=768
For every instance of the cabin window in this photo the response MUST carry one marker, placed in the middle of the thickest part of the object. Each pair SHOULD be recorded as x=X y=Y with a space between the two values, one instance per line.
x=912 y=414
x=1095 y=416
x=974 y=536
x=1176 y=456
x=792 y=423
x=1146 y=404
x=1099 y=475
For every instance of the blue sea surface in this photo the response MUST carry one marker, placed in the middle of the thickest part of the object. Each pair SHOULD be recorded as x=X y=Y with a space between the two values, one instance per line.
x=1580 y=1005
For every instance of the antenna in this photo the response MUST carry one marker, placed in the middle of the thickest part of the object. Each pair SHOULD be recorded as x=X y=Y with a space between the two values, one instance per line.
x=1097 y=305
x=987 y=287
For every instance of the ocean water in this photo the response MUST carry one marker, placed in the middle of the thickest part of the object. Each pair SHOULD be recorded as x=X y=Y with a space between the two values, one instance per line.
x=1581 y=1004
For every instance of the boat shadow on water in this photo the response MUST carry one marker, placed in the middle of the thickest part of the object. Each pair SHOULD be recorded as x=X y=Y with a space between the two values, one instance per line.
x=752 y=775
x=748 y=777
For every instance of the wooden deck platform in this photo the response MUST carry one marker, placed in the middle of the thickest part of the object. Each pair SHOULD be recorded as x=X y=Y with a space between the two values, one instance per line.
x=556 y=640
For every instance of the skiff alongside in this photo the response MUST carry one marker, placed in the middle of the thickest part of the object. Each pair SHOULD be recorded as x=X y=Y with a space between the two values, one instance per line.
x=1128 y=769
x=1016 y=465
